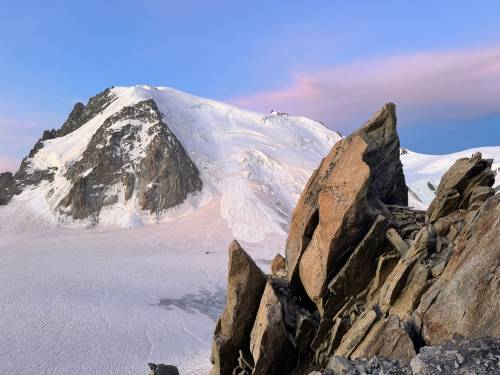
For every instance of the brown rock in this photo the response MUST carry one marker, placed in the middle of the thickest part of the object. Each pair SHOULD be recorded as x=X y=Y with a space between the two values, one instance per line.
x=387 y=339
x=385 y=265
x=397 y=242
x=245 y=284
x=458 y=184
x=360 y=172
x=349 y=281
x=466 y=297
x=278 y=265
x=269 y=344
x=357 y=333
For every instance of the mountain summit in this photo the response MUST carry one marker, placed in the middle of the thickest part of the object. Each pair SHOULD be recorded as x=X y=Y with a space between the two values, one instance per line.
x=133 y=153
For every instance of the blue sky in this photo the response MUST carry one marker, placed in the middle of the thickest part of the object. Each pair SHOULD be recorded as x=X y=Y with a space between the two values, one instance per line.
x=333 y=61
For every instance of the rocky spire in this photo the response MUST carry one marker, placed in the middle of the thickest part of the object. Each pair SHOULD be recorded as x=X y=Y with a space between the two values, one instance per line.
x=368 y=276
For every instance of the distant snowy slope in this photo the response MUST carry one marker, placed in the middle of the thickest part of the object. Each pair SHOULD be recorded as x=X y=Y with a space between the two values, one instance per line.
x=423 y=172
x=256 y=165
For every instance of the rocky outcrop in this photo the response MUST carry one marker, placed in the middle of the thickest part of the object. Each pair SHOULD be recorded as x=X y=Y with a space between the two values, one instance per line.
x=457 y=356
x=131 y=154
x=162 y=177
x=27 y=176
x=245 y=285
x=6 y=186
x=373 y=278
x=361 y=174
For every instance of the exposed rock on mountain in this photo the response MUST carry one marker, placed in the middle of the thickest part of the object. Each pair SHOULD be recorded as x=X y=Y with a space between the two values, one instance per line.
x=162 y=176
x=136 y=155
x=131 y=153
x=373 y=277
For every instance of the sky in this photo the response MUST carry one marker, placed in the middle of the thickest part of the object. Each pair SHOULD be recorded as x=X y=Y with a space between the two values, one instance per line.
x=334 y=61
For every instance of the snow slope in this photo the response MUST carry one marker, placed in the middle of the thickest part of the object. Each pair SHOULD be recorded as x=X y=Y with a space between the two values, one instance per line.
x=255 y=164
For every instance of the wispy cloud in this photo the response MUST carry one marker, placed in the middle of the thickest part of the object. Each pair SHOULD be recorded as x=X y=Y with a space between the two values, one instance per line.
x=427 y=87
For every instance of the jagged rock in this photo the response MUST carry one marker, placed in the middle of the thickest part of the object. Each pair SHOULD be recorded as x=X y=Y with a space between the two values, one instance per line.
x=466 y=297
x=459 y=356
x=161 y=369
x=359 y=173
x=357 y=333
x=80 y=114
x=369 y=277
x=272 y=351
x=375 y=366
x=245 y=284
x=162 y=178
x=389 y=339
x=458 y=185
x=278 y=265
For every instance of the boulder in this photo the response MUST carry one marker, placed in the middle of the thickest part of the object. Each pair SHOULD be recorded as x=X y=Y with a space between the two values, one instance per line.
x=360 y=173
x=162 y=369
x=245 y=284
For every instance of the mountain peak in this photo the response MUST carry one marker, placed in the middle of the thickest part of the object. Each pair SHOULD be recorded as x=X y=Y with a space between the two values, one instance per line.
x=131 y=154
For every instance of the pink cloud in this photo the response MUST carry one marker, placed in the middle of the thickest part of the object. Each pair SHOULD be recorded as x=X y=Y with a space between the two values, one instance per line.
x=8 y=164
x=425 y=86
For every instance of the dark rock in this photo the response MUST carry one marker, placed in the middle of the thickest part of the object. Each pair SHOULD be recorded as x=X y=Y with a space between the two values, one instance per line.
x=160 y=369
x=6 y=188
x=459 y=356
x=162 y=178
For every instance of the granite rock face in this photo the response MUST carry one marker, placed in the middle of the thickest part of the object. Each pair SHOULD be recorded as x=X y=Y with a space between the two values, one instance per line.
x=132 y=153
x=369 y=277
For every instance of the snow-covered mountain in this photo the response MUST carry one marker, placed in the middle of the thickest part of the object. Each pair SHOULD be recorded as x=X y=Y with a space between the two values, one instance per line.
x=109 y=300
x=140 y=154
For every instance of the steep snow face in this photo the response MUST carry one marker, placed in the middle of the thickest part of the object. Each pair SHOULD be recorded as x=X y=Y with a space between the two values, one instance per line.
x=423 y=172
x=255 y=166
